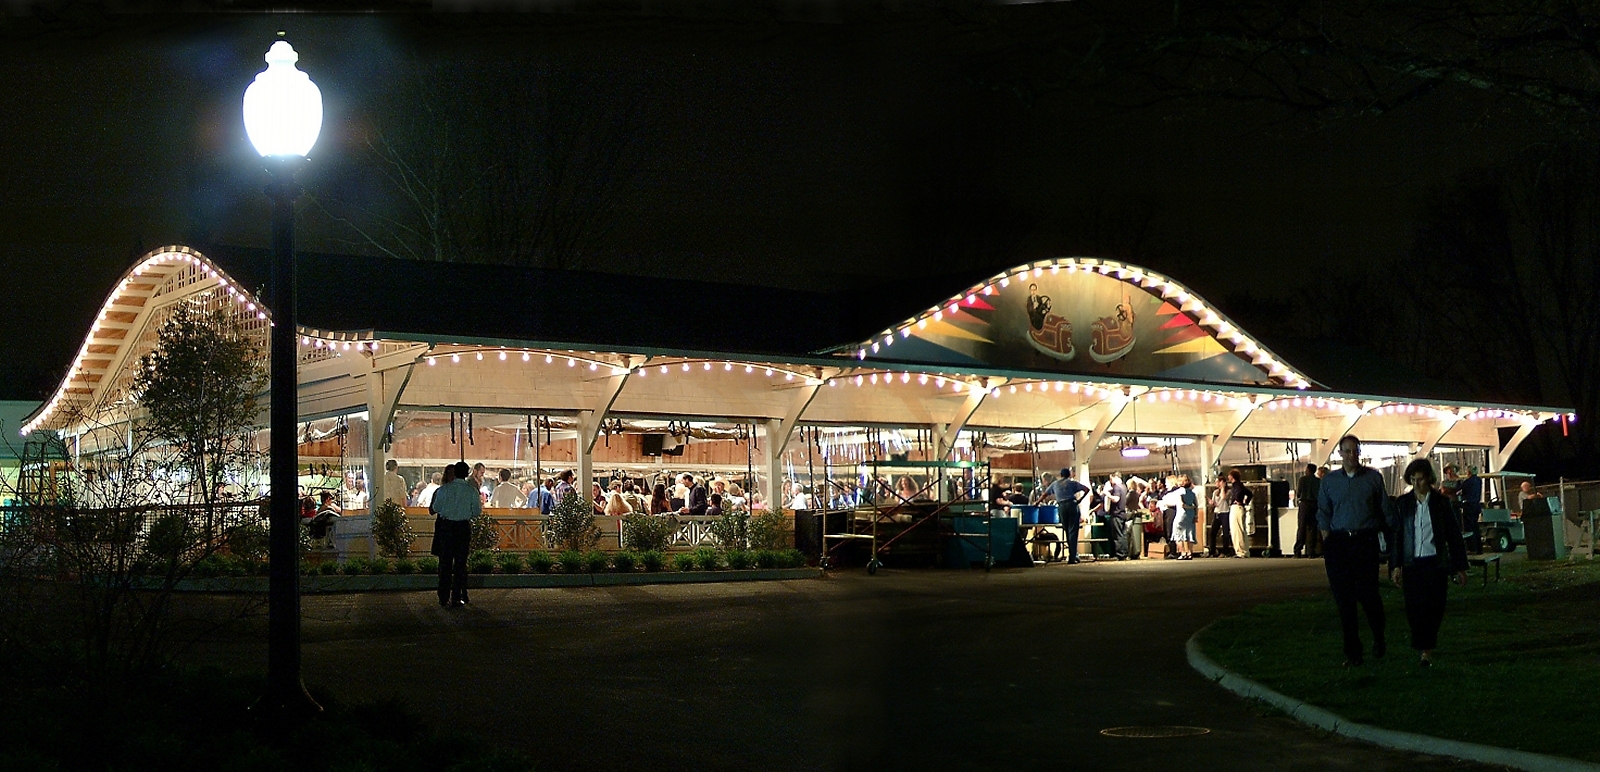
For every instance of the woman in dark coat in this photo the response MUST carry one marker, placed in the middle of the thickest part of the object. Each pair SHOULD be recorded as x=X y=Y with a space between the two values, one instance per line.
x=1425 y=549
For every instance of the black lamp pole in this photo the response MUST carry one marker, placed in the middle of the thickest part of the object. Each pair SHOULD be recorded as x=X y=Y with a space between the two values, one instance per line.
x=286 y=693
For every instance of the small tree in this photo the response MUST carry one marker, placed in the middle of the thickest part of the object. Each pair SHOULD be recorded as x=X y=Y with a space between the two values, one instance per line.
x=643 y=532
x=392 y=531
x=571 y=525
x=732 y=529
x=198 y=388
x=485 y=536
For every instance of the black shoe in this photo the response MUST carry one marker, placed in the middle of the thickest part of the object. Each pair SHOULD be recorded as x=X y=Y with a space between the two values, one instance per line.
x=1379 y=649
x=1425 y=661
x=1353 y=662
x=458 y=604
x=1074 y=562
x=444 y=602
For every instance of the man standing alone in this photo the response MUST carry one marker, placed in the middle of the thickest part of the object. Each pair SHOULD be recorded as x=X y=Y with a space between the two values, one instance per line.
x=456 y=504
x=1116 y=508
x=1069 y=495
x=1308 y=541
x=1351 y=509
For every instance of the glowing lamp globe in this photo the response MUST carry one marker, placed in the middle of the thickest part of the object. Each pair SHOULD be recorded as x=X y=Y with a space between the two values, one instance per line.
x=282 y=108
x=1135 y=451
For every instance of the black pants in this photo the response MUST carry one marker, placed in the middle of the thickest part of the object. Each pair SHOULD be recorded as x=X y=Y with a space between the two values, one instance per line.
x=1352 y=565
x=1118 y=525
x=1309 y=540
x=1469 y=526
x=1219 y=538
x=1069 y=530
x=1425 y=585
x=452 y=539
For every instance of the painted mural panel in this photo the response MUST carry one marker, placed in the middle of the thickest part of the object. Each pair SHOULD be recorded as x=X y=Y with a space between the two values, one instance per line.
x=1078 y=322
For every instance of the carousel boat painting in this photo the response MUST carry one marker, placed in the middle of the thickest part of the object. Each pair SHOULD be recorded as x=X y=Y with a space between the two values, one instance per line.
x=1050 y=333
x=1113 y=336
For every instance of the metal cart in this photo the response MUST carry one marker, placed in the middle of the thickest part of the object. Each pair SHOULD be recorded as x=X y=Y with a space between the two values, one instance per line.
x=901 y=502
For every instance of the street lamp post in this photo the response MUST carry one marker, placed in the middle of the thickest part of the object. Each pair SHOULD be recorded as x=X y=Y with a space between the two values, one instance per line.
x=283 y=115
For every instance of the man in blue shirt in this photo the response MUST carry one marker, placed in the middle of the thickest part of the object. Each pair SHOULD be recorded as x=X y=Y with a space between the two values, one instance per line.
x=1352 y=508
x=456 y=503
x=1068 y=495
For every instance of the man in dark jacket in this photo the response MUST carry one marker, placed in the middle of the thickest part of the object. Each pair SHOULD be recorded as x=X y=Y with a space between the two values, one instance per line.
x=1425 y=549
x=696 y=502
x=1308 y=542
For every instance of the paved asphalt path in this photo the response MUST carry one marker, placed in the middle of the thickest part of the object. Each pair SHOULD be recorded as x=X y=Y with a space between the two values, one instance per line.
x=1019 y=669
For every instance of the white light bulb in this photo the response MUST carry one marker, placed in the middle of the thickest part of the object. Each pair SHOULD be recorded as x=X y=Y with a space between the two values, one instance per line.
x=282 y=107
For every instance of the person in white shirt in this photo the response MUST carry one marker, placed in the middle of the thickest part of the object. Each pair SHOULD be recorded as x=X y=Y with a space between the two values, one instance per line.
x=1425 y=551
x=506 y=494
x=394 y=486
x=425 y=498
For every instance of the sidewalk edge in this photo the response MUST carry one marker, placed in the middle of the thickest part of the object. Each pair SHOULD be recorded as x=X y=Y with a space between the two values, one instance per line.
x=1312 y=715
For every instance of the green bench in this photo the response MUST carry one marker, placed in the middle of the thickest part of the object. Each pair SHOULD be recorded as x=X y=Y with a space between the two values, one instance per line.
x=1485 y=560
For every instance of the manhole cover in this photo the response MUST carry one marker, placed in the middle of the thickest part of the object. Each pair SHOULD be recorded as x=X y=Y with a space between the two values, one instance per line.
x=1155 y=731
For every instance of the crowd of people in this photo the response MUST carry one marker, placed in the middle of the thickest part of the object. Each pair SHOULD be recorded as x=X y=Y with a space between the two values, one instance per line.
x=618 y=494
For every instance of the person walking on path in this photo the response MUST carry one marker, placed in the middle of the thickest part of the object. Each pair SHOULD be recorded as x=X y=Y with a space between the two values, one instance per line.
x=1068 y=495
x=456 y=503
x=1239 y=500
x=1425 y=550
x=1308 y=541
x=1351 y=509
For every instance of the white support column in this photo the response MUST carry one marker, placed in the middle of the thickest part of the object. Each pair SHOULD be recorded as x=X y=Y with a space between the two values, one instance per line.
x=1080 y=463
x=1217 y=443
x=778 y=433
x=1084 y=447
x=1445 y=425
x=1322 y=449
x=944 y=434
x=589 y=422
x=1499 y=456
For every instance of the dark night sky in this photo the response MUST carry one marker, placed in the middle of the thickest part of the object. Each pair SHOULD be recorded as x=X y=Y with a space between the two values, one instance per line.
x=782 y=152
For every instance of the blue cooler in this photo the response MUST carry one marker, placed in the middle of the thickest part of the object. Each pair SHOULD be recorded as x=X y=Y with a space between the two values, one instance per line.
x=1030 y=514
x=1048 y=515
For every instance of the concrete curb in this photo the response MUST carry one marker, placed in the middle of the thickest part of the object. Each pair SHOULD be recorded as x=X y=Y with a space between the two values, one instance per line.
x=391 y=582
x=1388 y=738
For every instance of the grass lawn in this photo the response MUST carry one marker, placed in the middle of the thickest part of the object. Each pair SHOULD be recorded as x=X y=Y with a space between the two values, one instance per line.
x=1518 y=663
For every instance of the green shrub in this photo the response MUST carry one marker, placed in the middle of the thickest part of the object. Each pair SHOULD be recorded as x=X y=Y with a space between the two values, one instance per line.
x=485 y=536
x=738 y=559
x=540 y=562
x=571 y=524
x=428 y=565
x=791 y=558
x=624 y=562
x=380 y=566
x=392 y=531
x=706 y=558
x=264 y=568
x=652 y=560
x=247 y=541
x=328 y=568
x=571 y=561
x=355 y=566
x=683 y=561
x=480 y=562
x=511 y=563
x=769 y=530
x=405 y=566
x=766 y=558
x=732 y=530
x=595 y=561
x=642 y=532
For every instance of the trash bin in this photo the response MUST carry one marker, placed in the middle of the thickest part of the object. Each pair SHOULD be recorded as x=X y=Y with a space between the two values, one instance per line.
x=1538 y=530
